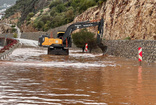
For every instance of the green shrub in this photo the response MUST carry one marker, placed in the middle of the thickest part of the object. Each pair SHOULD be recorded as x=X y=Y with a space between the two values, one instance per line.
x=69 y=15
x=60 y=8
x=39 y=25
x=30 y=15
x=127 y=38
x=41 y=11
x=45 y=18
x=47 y=26
x=13 y=26
x=58 y=20
x=53 y=11
x=28 y=22
x=83 y=37
x=75 y=3
x=15 y=35
x=55 y=3
x=86 y=4
x=13 y=30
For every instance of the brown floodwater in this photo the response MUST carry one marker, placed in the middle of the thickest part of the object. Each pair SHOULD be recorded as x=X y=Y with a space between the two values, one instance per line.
x=31 y=77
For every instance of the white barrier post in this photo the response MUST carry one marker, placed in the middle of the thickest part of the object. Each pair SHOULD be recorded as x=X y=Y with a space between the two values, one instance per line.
x=140 y=55
x=86 y=47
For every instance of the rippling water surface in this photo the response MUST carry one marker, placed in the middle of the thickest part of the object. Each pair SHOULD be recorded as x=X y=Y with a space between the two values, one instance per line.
x=30 y=76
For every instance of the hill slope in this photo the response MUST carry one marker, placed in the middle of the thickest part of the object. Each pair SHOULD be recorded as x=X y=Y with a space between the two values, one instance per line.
x=46 y=14
x=124 y=19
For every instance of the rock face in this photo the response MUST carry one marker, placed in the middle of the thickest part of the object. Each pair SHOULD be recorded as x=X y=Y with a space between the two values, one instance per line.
x=5 y=29
x=12 y=19
x=32 y=6
x=27 y=28
x=20 y=15
x=135 y=19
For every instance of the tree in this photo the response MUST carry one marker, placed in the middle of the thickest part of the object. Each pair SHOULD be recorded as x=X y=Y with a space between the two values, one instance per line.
x=39 y=25
x=55 y=3
x=45 y=18
x=83 y=37
x=86 y=4
x=60 y=8
x=30 y=15
x=69 y=15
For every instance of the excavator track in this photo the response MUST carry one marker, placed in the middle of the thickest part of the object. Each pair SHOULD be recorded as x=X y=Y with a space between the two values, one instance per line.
x=58 y=51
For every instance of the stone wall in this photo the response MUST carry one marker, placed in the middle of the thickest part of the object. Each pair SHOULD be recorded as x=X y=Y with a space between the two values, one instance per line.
x=129 y=49
x=32 y=35
x=36 y=35
x=7 y=35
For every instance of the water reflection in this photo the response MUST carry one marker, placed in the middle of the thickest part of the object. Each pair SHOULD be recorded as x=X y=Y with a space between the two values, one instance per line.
x=139 y=75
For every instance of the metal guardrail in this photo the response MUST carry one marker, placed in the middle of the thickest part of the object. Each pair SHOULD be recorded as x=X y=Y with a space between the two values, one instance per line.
x=11 y=44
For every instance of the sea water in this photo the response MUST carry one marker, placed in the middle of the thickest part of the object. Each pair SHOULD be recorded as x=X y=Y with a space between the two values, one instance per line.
x=5 y=4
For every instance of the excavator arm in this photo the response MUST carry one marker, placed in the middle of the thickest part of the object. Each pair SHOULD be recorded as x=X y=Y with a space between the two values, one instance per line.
x=79 y=25
x=85 y=24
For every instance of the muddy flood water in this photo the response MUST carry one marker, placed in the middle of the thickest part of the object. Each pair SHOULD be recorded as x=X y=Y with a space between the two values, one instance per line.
x=31 y=77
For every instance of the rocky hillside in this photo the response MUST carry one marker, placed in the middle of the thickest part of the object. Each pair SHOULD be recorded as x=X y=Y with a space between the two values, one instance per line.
x=124 y=19
x=19 y=13
x=42 y=15
x=25 y=7
x=5 y=29
x=133 y=19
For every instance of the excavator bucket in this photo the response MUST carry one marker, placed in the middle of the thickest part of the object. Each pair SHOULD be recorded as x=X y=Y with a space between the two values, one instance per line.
x=58 y=51
x=103 y=48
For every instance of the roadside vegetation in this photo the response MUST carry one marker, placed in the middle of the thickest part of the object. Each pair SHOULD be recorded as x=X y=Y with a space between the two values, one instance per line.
x=15 y=35
x=60 y=12
x=83 y=37
x=13 y=29
x=63 y=12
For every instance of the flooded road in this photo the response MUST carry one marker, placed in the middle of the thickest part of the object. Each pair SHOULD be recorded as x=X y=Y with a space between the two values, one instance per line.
x=31 y=77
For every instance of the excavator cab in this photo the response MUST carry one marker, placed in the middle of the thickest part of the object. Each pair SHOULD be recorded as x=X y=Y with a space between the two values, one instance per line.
x=60 y=34
x=58 y=49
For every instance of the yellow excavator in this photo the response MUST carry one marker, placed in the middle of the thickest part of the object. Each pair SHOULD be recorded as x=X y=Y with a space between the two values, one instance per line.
x=60 y=45
x=46 y=40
